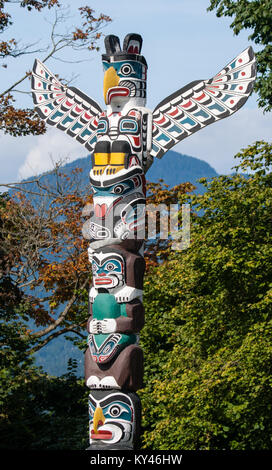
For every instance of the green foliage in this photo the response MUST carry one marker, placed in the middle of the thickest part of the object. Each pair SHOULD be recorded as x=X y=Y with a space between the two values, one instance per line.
x=41 y=412
x=36 y=411
x=207 y=338
x=255 y=15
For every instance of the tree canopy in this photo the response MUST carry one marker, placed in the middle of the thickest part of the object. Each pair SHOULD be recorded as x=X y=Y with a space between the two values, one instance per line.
x=208 y=360
x=256 y=16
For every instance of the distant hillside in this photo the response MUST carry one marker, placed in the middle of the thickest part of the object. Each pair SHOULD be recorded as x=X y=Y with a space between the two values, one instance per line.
x=174 y=168
x=177 y=168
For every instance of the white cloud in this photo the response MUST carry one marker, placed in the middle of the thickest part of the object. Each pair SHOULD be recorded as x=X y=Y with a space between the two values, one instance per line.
x=53 y=147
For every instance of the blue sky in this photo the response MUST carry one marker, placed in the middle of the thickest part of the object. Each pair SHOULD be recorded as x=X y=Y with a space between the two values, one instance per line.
x=181 y=42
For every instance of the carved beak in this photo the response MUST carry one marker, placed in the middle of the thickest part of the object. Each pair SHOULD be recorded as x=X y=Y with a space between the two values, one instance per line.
x=111 y=80
x=98 y=419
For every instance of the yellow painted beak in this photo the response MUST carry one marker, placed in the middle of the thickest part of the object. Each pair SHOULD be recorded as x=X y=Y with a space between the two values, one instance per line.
x=98 y=417
x=111 y=79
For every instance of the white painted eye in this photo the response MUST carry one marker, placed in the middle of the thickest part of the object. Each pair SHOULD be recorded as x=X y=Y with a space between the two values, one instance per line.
x=110 y=266
x=118 y=189
x=126 y=69
x=115 y=411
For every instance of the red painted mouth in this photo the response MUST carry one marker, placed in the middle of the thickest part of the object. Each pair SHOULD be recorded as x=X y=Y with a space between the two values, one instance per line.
x=117 y=91
x=103 y=434
x=103 y=280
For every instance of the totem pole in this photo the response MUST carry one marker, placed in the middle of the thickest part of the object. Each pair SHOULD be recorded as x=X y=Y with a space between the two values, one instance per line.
x=123 y=141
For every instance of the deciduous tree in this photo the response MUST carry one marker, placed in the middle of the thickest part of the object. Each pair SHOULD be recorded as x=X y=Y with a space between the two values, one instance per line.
x=15 y=119
x=208 y=359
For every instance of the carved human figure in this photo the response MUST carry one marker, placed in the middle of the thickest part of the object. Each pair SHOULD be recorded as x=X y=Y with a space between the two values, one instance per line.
x=113 y=358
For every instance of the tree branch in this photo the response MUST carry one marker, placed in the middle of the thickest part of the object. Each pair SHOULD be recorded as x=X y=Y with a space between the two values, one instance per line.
x=72 y=328
x=61 y=41
x=60 y=319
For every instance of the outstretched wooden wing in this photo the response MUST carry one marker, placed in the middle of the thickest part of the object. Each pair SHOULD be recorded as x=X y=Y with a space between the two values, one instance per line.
x=65 y=107
x=202 y=102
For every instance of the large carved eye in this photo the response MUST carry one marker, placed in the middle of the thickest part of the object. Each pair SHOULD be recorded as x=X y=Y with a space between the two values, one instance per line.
x=115 y=411
x=119 y=189
x=126 y=69
x=110 y=266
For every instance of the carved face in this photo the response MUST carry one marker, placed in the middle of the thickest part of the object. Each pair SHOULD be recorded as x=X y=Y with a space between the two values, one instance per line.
x=112 y=418
x=108 y=270
x=124 y=78
x=106 y=197
x=125 y=70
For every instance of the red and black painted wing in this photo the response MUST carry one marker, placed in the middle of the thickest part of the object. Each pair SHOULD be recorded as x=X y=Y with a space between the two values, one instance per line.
x=202 y=102
x=66 y=108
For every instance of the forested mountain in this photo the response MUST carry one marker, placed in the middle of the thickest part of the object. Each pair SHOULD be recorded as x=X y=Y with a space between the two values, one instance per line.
x=173 y=168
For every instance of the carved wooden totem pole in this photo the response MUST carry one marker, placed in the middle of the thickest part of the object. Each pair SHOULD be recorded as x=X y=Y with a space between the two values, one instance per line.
x=123 y=141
